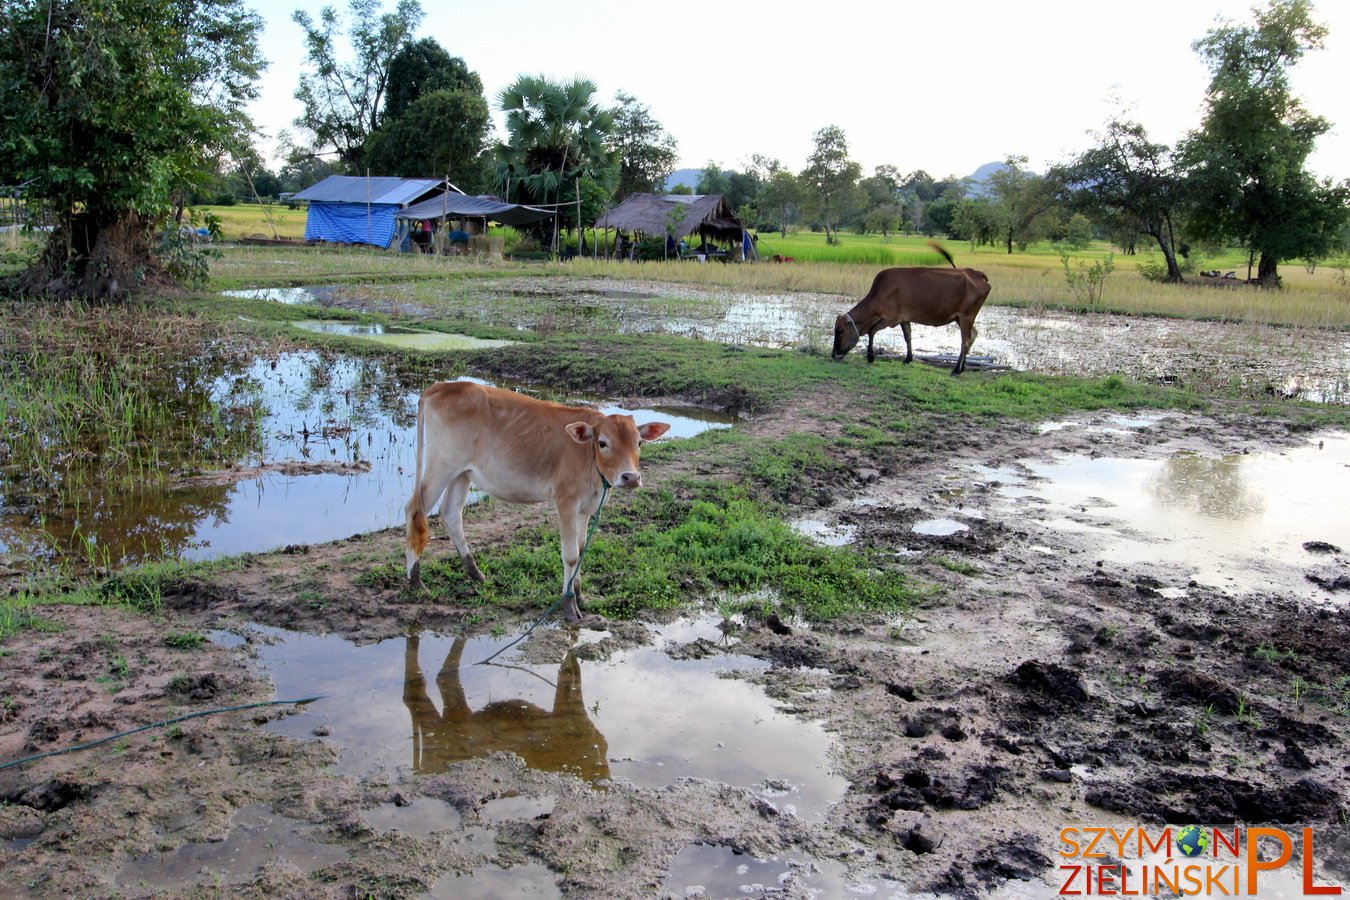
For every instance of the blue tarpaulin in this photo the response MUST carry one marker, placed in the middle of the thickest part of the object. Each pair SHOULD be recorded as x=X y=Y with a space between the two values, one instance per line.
x=351 y=223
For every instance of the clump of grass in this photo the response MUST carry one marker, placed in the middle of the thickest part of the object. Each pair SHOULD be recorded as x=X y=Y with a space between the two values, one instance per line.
x=184 y=640
x=717 y=542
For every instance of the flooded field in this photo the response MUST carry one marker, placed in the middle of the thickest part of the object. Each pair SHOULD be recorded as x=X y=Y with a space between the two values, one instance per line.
x=1255 y=360
x=1110 y=617
x=327 y=451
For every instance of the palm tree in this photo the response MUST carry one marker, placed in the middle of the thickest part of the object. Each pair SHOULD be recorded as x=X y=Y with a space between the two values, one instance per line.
x=556 y=138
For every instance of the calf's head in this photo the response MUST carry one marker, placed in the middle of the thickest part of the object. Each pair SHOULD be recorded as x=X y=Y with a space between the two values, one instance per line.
x=846 y=335
x=615 y=440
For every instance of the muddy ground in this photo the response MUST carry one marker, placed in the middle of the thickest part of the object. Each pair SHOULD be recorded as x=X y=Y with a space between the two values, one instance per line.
x=1033 y=688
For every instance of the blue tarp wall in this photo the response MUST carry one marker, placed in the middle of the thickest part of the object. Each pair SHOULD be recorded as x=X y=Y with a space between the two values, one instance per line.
x=351 y=223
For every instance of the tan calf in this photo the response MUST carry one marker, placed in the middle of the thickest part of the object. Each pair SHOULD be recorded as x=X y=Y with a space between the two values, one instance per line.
x=520 y=450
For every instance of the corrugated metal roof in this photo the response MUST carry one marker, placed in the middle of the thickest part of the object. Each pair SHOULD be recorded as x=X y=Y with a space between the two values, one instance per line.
x=358 y=189
x=452 y=204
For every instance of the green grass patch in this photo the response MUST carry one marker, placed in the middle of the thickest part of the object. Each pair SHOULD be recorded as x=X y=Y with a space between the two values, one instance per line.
x=662 y=549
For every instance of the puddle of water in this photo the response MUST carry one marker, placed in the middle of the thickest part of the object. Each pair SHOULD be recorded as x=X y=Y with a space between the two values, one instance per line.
x=419 y=704
x=293 y=296
x=398 y=336
x=939 y=527
x=515 y=809
x=705 y=871
x=257 y=837
x=308 y=407
x=837 y=535
x=1233 y=521
x=422 y=817
x=491 y=882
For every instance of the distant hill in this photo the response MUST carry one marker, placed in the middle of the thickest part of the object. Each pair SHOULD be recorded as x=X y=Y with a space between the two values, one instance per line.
x=683 y=176
x=980 y=177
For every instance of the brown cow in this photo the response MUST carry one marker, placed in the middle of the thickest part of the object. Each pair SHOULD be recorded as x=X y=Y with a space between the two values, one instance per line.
x=563 y=739
x=521 y=450
x=928 y=296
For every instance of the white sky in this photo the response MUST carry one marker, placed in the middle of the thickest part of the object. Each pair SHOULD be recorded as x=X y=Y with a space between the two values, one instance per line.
x=940 y=86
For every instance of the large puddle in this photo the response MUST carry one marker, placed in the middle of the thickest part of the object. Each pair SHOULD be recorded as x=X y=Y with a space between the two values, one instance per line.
x=398 y=336
x=1234 y=522
x=419 y=704
x=348 y=423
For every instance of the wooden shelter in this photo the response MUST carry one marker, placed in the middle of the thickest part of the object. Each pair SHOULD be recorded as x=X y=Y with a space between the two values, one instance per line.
x=679 y=215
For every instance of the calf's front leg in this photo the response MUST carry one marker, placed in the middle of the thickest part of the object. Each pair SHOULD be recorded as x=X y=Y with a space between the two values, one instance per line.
x=571 y=529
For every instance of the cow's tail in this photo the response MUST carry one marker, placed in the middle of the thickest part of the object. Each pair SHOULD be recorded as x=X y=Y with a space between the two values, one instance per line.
x=943 y=250
x=419 y=533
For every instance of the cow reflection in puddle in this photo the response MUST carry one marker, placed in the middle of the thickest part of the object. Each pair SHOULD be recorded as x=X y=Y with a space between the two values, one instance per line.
x=563 y=740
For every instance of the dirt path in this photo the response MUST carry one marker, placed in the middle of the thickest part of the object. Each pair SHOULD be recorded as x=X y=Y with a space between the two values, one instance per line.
x=1034 y=688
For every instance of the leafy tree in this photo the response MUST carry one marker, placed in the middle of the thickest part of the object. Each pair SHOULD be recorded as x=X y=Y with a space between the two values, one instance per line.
x=343 y=100
x=712 y=180
x=884 y=219
x=882 y=187
x=303 y=170
x=421 y=67
x=646 y=152
x=1245 y=165
x=977 y=221
x=442 y=133
x=1134 y=184
x=1020 y=198
x=556 y=138
x=830 y=177
x=112 y=108
x=938 y=215
x=780 y=194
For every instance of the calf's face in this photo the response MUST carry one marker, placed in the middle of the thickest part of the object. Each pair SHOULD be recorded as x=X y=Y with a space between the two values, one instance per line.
x=616 y=441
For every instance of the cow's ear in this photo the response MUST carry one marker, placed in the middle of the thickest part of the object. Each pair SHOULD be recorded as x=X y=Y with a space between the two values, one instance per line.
x=652 y=430
x=581 y=432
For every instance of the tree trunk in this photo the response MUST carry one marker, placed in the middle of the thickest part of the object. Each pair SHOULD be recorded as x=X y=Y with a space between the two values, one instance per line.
x=95 y=257
x=1170 y=256
x=1267 y=273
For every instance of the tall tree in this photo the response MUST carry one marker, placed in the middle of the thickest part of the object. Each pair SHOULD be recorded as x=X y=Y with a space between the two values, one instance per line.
x=830 y=177
x=111 y=109
x=343 y=100
x=1132 y=184
x=442 y=133
x=646 y=151
x=1245 y=165
x=556 y=139
x=780 y=194
x=1020 y=200
x=419 y=68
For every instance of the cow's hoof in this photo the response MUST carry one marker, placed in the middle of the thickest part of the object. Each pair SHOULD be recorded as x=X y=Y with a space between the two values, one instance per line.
x=415 y=578
x=473 y=571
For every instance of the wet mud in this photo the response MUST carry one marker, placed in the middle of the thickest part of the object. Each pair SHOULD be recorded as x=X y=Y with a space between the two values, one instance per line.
x=1038 y=684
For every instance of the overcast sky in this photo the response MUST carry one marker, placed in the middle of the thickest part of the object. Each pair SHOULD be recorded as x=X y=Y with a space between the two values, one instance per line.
x=940 y=86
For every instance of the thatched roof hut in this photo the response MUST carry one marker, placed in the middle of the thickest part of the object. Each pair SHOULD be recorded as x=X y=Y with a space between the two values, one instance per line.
x=706 y=215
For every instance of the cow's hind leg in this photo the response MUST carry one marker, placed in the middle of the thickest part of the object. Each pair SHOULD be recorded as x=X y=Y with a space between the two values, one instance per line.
x=968 y=333
x=909 y=342
x=452 y=514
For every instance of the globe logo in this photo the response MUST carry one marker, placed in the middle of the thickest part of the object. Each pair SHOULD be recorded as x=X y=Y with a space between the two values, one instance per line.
x=1192 y=841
